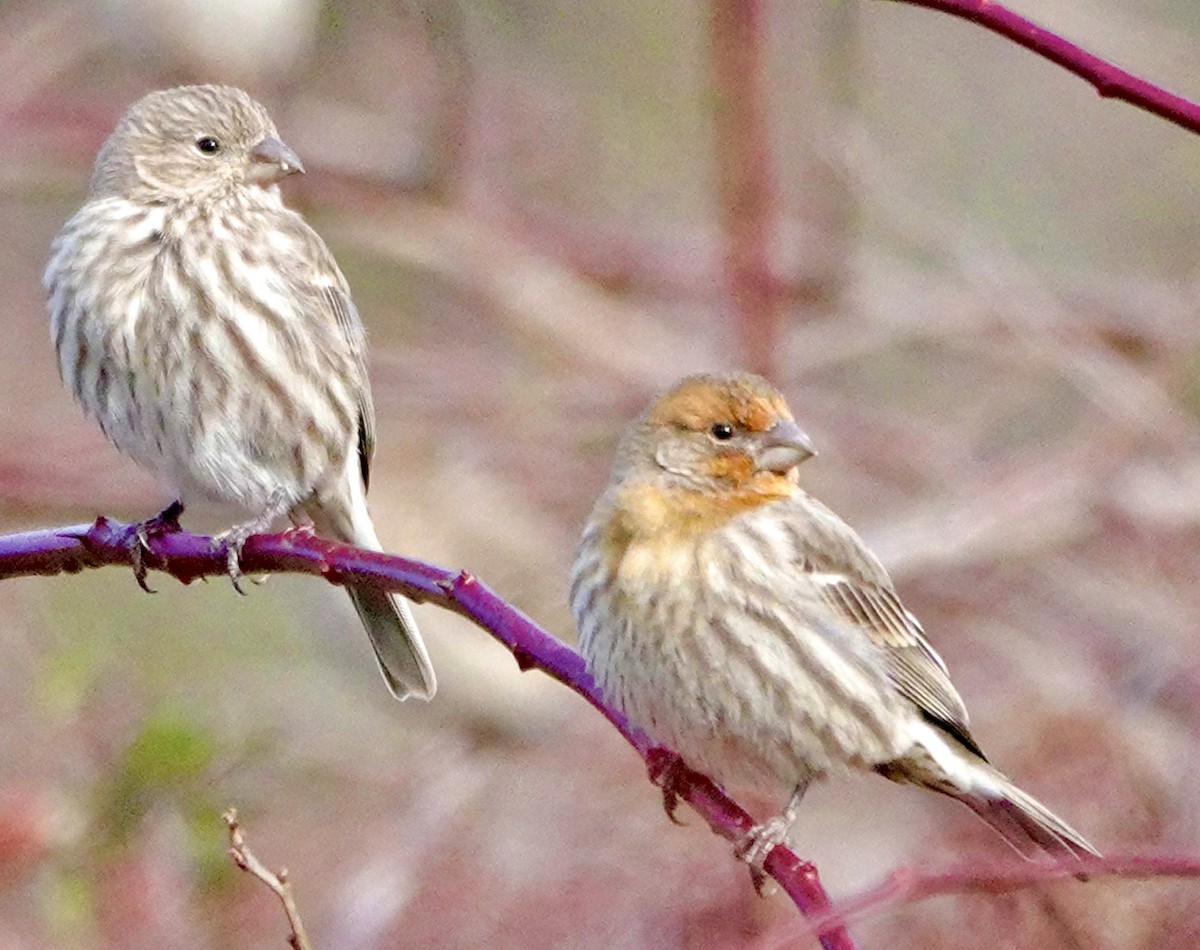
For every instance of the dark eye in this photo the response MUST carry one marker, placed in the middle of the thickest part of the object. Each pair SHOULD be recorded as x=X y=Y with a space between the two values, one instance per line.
x=722 y=431
x=208 y=145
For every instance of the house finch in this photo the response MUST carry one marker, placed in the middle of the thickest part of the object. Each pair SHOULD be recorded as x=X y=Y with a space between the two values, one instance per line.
x=741 y=623
x=210 y=333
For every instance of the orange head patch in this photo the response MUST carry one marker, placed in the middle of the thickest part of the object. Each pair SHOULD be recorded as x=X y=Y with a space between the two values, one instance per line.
x=702 y=455
x=742 y=400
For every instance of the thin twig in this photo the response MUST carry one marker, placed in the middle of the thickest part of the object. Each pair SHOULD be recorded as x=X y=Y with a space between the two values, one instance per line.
x=277 y=881
x=1110 y=81
x=907 y=886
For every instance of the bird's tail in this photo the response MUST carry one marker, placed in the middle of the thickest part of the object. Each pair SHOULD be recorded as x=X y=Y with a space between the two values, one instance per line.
x=1019 y=818
x=398 y=647
x=387 y=618
x=1024 y=822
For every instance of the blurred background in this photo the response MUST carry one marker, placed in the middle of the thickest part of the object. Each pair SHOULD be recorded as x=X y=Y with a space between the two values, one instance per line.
x=975 y=280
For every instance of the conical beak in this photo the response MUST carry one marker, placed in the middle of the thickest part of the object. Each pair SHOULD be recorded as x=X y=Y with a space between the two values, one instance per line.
x=272 y=161
x=782 y=447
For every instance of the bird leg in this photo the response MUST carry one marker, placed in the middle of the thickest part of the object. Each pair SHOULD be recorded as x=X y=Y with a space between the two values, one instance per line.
x=760 y=841
x=233 y=540
x=165 y=522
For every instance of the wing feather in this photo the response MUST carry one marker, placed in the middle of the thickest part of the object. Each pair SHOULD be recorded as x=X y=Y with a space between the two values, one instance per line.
x=337 y=302
x=856 y=587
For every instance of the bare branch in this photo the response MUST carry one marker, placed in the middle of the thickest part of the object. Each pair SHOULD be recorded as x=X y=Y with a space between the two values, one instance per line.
x=278 y=881
x=188 y=557
x=907 y=886
x=1110 y=81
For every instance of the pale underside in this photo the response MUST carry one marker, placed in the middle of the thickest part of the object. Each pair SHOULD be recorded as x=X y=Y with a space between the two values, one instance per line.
x=218 y=360
x=756 y=688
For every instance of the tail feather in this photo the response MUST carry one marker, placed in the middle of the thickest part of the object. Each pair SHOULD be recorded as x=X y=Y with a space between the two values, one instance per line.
x=1024 y=822
x=398 y=647
x=944 y=765
x=390 y=626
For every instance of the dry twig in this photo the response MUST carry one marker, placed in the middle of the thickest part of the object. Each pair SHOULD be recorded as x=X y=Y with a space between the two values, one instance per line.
x=277 y=881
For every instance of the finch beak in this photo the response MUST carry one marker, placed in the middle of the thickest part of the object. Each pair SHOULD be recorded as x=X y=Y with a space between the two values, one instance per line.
x=272 y=161
x=783 y=447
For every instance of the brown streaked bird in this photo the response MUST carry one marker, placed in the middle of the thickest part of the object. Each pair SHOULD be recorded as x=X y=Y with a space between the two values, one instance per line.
x=741 y=623
x=209 y=332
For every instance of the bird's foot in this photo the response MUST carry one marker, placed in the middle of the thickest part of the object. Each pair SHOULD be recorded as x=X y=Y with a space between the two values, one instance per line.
x=760 y=840
x=233 y=540
x=165 y=522
x=669 y=773
x=757 y=844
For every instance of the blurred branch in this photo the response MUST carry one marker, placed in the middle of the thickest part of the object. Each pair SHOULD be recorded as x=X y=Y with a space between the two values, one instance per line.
x=907 y=886
x=278 y=882
x=188 y=557
x=1111 y=82
x=746 y=191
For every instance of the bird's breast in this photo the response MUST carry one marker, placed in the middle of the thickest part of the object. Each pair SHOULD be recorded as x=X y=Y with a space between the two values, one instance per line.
x=191 y=347
x=711 y=644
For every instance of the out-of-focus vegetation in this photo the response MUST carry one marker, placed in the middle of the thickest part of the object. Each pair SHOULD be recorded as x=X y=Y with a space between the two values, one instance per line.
x=994 y=337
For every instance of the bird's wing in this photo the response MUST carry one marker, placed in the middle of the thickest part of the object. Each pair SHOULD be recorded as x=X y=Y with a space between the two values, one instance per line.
x=853 y=584
x=323 y=293
x=317 y=281
x=336 y=301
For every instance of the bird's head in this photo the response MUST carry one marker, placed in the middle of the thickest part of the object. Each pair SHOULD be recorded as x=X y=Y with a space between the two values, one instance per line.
x=190 y=142
x=718 y=433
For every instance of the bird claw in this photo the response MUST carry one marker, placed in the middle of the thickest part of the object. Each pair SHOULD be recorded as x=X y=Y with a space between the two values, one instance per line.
x=670 y=802
x=165 y=522
x=756 y=846
x=758 y=843
x=232 y=542
x=137 y=555
x=668 y=772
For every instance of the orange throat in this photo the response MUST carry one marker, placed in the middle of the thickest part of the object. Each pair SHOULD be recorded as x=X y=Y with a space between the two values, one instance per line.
x=654 y=531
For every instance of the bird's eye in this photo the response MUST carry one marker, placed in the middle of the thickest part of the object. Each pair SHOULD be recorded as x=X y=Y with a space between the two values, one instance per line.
x=722 y=431
x=208 y=145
